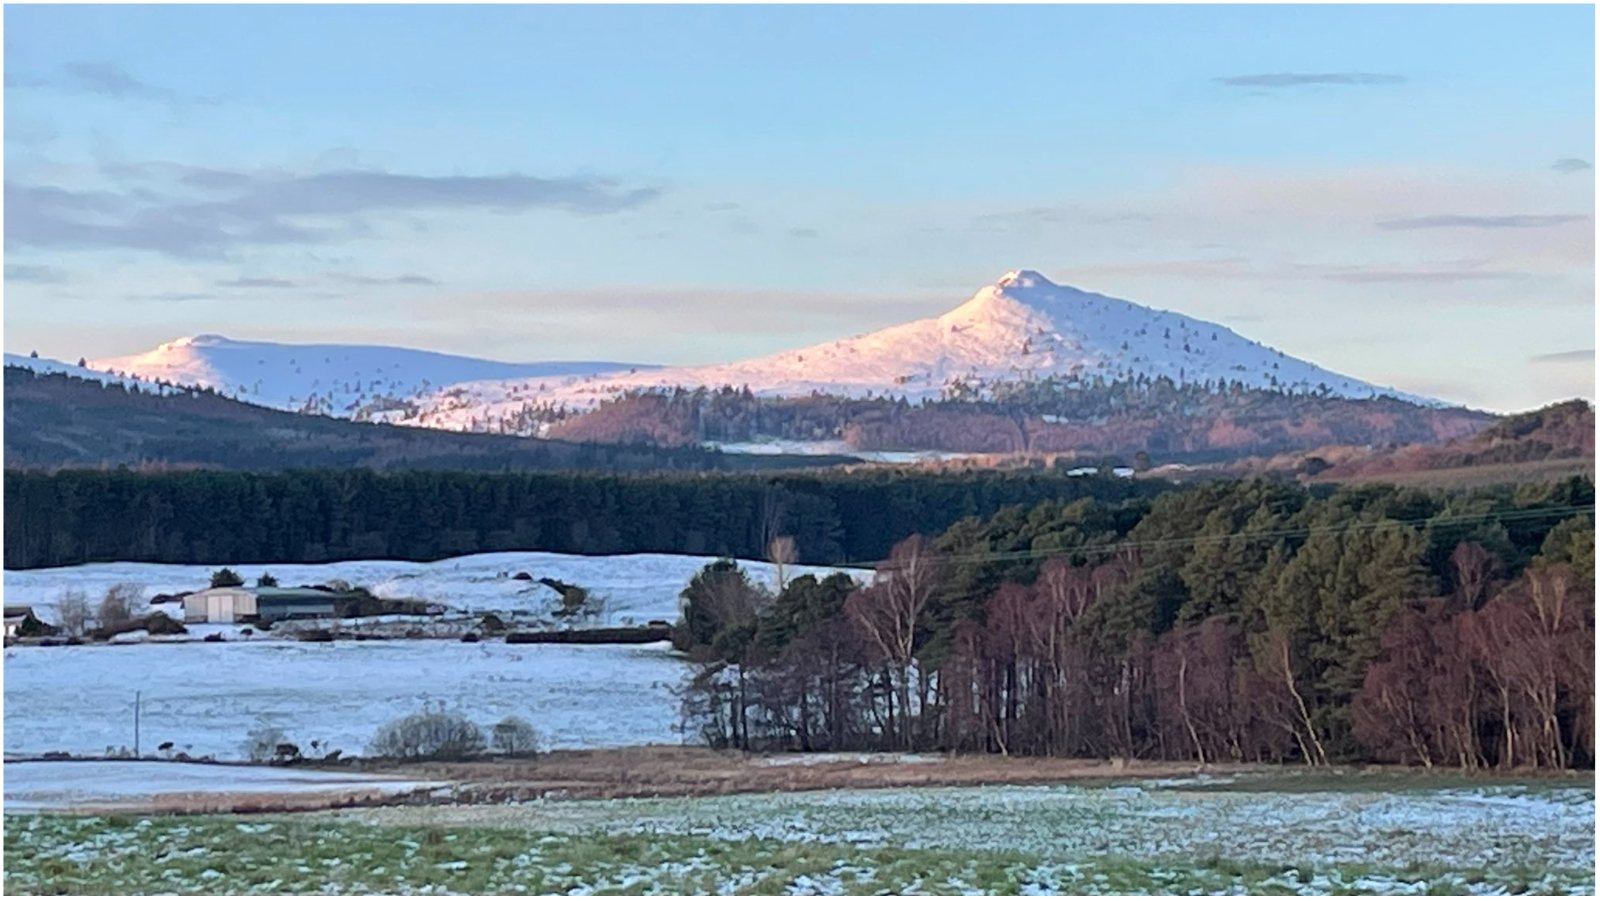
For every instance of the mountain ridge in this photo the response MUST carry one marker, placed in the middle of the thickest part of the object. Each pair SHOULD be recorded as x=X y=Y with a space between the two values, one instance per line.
x=1023 y=328
x=345 y=380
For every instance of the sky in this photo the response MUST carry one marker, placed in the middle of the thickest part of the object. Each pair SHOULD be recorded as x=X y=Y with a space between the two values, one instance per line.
x=1402 y=193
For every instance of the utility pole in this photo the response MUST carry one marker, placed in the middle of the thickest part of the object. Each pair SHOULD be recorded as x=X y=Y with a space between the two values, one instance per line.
x=136 y=698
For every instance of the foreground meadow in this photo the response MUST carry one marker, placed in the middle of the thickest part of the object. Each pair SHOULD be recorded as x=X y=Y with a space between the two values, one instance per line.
x=1163 y=836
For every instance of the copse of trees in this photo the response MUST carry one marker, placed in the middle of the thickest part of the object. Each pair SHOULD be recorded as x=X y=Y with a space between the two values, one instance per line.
x=1230 y=622
x=312 y=516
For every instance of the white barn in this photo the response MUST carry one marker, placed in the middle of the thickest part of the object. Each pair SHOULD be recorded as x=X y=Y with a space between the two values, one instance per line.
x=219 y=605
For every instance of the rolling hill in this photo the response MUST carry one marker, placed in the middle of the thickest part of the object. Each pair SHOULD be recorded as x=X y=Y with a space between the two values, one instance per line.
x=56 y=420
x=345 y=380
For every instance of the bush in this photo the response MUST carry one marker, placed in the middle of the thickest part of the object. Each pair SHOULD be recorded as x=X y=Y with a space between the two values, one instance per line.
x=120 y=605
x=261 y=745
x=226 y=578
x=430 y=735
x=492 y=625
x=32 y=627
x=515 y=737
x=159 y=623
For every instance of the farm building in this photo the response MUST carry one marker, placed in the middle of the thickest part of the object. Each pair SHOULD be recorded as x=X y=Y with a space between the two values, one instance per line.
x=285 y=603
x=219 y=605
x=14 y=619
x=240 y=605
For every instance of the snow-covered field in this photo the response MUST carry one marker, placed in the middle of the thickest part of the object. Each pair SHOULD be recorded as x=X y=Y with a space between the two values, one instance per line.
x=637 y=587
x=206 y=698
x=107 y=784
x=1397 y=841
x=1462 y=828
x=820 y=448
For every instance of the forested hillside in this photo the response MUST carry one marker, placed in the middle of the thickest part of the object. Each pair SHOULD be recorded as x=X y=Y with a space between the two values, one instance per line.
x=1562 y=431
x=1171 y=422
x=1245 y=621
x=60 y=421
x=68 y=517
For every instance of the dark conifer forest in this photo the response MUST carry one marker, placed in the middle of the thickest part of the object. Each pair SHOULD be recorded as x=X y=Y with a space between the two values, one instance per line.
x=311 y=516
x=1242 y=621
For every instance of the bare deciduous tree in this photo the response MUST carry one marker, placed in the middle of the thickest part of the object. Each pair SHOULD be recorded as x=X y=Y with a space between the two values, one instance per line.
x=782 y=551
x=514 y=737
x=72 y=612
x=887 y=613
x=123 y=602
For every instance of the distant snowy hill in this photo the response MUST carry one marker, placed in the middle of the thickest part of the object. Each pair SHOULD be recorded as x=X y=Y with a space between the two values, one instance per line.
x=1024 y=327
x=47 y=366
x=354 y=381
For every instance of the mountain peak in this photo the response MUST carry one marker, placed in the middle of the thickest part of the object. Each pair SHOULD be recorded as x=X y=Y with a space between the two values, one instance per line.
x=205 y=340
x=1023 y=278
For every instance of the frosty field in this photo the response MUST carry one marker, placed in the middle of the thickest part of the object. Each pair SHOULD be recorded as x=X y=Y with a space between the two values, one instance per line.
x=51 y=785
x=205 y=697
x=637 y=587
x=1169 y=837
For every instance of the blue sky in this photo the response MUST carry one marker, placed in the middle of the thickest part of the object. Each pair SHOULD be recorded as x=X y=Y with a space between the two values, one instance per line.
x=1405 y=194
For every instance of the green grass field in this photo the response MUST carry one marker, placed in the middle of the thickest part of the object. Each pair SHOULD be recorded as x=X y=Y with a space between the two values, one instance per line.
x=1379 y=835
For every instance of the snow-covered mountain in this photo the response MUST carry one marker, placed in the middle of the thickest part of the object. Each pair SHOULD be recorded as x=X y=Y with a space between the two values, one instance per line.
x=334 y=379
x=47 y=366
x=1023 y=327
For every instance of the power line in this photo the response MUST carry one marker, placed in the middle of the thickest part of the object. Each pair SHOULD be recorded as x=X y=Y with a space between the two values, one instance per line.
x=1502 y=516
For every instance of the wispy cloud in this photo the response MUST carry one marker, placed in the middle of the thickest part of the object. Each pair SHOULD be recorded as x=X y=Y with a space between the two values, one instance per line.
x=1229 y=268
x=1571 y=164
x=111 y=81
x=172 y=296
x=1566 y=356
x=408 y=280
x=196 y=212
x=99 y=78
x=1241 y=269
x=256 y=283
x=28 y=131
x=807 y=233
x=1031 y=218
x=1434 y=276
x=1453 y=221
x=35 y=275
x=1297 y=79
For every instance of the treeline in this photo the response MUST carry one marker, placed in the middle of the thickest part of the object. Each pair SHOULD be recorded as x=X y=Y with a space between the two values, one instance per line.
x=1189 y=423
x=1246 y=621
x=77 y=516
